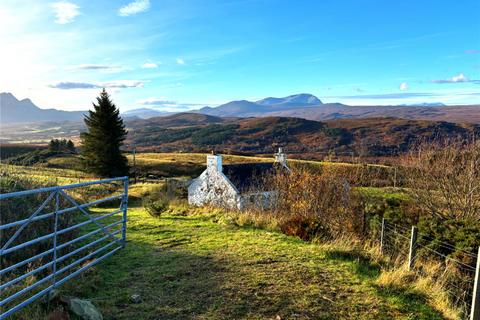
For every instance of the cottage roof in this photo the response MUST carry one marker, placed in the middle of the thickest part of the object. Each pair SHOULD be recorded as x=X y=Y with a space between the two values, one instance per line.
x=249 y=176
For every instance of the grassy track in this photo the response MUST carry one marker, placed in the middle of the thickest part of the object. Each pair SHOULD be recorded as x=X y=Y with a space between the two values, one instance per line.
x=202 y=267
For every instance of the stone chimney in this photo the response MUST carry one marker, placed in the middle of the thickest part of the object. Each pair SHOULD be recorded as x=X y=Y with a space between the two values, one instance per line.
x=281 y=158
x=214 y=162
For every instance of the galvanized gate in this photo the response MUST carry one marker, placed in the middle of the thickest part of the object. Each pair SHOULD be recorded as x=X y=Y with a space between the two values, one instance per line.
x=94 y=240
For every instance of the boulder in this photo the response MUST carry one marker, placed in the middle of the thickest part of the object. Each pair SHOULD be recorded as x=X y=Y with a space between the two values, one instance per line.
x=84 y=309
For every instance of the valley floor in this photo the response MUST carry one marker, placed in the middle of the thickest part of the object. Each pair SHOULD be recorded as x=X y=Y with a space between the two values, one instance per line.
x=201 y=266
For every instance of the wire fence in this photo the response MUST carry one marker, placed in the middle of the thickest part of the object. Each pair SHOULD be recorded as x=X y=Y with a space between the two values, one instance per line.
x=448 y=265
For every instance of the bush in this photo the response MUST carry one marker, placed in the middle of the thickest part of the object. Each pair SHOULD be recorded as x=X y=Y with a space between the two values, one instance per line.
x=443 y=178
x=156 y=204
x=315 y=204
x=462 y=237
x=304 y=227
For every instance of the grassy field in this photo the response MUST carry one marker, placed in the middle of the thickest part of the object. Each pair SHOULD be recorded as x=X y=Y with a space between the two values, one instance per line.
x=200 y=264
x=182 y=164
x=45 y=176
x=197 y=264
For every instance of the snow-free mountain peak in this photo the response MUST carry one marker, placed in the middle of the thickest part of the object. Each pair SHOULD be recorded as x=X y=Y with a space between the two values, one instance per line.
x=301 y=99
x=244 y=108
x=13 y=110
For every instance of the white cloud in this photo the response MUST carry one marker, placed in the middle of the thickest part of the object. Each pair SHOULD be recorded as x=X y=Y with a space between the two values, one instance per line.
x=65 y=12
x=180 y=61
x=460 y=78
x=134 y=7
x=152 y=101
x=109 y=84
x=94 y=67
x=456 y=79
x=168 y=105
x=149 y=65
x=403 y=86
x=123 y=84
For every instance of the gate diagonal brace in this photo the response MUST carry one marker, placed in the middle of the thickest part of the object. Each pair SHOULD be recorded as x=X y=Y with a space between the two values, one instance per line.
x=89 y=216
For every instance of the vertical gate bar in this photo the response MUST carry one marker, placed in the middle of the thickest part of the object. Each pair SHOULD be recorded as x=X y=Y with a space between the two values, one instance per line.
x=413 y=249
x=382 y=237
x=57 y=205
x=124 y=208
x=475 y=313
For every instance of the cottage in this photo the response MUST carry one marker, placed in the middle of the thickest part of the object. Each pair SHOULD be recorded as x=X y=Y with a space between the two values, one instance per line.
x=235 y=186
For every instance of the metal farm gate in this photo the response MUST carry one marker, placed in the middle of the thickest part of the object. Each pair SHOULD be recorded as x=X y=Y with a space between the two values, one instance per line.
x=72 y=240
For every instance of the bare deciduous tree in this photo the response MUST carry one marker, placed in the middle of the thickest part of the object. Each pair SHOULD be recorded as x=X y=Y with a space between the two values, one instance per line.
x=443 y=178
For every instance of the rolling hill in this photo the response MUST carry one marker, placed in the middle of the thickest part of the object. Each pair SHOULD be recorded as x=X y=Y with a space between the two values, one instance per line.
x=303 y=138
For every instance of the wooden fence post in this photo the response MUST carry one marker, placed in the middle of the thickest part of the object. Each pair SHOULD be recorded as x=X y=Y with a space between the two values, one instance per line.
x=382 y=237
x=413 y=248
x=475 y=313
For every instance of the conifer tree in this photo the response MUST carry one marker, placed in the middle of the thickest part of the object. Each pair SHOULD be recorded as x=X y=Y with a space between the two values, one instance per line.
x=101 y=143
x=70 y=146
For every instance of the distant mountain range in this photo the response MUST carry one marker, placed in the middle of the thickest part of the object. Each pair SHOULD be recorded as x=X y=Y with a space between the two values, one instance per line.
x=309 y=107
x=304 y=105
x=145 y=113
x=425 y=104
x=13 y=110
x=244 y=108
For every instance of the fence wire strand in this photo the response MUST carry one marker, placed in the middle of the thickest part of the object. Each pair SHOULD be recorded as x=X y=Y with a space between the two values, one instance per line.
x=458 y=286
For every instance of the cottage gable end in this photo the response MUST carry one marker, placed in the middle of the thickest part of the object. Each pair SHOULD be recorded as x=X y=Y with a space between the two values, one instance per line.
x=213 y=187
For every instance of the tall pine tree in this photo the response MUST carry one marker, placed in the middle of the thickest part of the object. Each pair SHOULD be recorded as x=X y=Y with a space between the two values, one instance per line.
x=101 y=143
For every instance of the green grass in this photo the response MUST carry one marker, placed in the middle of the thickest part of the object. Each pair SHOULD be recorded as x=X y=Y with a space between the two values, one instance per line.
x=384 y=193
x=198 y=266
x=45 y=176
x=162 y=165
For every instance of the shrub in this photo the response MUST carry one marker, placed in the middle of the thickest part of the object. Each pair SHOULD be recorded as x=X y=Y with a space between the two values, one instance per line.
x=315 y=204
x=156 y=204
x=443 y=178
x=462 y=237
x=304 y=227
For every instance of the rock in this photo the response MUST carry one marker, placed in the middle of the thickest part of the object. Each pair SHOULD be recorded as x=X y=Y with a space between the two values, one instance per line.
x=135 y=298
x=84 y=309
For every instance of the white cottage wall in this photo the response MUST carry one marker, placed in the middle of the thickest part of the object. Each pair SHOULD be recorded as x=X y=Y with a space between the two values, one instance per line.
x=213 y=187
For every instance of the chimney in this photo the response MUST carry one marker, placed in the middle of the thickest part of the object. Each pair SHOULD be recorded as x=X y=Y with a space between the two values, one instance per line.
x=281 y=157
x=214 y=162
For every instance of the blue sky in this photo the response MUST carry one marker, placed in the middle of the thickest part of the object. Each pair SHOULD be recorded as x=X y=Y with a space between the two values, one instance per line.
x=177 y=55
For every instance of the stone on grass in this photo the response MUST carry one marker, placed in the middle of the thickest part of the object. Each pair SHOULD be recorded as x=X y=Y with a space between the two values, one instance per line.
x=136 y=298
x=84 y=309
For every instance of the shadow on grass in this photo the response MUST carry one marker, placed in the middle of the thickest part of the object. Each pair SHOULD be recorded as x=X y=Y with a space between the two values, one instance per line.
x=406 y=299
x=409 y=301
x=362 y=265
x=172 y=285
